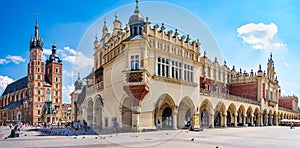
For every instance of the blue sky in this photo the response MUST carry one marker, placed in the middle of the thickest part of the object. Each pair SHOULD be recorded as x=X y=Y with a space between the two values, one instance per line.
x=245 y=31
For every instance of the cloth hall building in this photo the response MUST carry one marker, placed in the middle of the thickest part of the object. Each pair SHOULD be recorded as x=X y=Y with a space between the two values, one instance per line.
x=144 y=73
x=37 y=97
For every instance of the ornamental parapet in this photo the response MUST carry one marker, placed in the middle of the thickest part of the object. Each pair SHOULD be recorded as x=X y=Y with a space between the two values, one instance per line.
x=227 y=96
x=96 y=88
x=287 y=110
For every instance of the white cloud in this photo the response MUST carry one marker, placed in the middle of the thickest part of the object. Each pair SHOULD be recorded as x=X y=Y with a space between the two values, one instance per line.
x=3 y=61
x=67 y=90
x=70 y=50
x=82 y=62
x=15 y=59
x=68 y=73
x=4 y=81
x=47 y=51
x=70 y=59
x=260 y=36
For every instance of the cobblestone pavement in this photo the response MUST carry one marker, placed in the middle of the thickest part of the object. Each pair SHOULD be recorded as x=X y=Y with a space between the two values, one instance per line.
x=246 y=137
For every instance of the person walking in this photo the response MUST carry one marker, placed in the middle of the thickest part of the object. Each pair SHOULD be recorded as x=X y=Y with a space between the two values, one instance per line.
x=158 y=124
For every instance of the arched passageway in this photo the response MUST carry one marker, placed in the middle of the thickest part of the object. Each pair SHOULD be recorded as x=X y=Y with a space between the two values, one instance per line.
x=185 y=112
x=231 y=116
x=241 y=116
x=90 y=116
x=165 y=112
x=126 y=113
x=98 y=112
x=206 y=115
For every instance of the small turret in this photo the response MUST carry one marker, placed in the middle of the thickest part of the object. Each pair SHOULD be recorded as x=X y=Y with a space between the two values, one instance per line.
x=78 y=83
x=136 y=22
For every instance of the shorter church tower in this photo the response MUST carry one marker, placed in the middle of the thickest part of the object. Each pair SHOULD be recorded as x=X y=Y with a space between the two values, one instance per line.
x=53 y=83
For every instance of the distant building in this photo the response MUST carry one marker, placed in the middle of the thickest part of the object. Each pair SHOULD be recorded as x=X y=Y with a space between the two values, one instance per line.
x=66 y=111
x=143 y=73
x=37 y=97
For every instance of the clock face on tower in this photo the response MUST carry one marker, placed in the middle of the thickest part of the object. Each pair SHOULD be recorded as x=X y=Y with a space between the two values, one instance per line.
x=48 y=94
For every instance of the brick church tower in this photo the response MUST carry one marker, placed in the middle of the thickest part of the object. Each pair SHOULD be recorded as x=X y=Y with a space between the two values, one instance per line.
x=35 y=78
x=44 y=83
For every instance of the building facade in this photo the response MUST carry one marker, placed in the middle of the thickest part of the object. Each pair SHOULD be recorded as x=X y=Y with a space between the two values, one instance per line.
x=143 y=73
x=37 y=97
x=66 y=111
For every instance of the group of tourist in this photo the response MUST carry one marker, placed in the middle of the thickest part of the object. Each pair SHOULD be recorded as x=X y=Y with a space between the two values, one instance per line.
x=80 y=125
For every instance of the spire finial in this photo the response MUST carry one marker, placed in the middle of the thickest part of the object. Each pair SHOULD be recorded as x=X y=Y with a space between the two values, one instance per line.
x=78 y=76
x=271 y=56
x=96 y=37
x=137 y=7
x=116 y=15
x=105 y=22
x=36 y=19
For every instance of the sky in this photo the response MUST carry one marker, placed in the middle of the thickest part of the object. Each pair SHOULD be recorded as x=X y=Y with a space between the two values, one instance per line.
x=243 y=33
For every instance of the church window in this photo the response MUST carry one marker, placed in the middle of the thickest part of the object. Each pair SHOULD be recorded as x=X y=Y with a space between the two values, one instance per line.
x=39 y=112
x=38 y=62
x=39 y=92
x=34 y=55
x=38 y=70
x=39 y=84
x=56 y=79
x=39 y=99
x=56 y=100
x=56 y=70
x=38 y=77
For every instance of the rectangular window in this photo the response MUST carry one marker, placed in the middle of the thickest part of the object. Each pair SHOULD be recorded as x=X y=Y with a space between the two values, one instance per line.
x=135 y=62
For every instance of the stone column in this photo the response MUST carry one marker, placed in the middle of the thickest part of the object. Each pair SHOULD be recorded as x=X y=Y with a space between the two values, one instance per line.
x=276 y=122
x=244 y=120
x=235 y=119
x=266 y=120
x=196 y=120
x=225 y=119
x=271 y=120
x=260 y=117
x=136 y=118
x=251 y=120
x=212 y=120
x=175 y=120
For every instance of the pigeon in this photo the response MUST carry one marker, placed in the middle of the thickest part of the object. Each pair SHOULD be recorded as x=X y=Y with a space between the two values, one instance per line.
x=103 y=137
x=74 y=137
x=25 y=135
x=192 y=139
x=83 y=137
x=5 y=138
x=95 y=137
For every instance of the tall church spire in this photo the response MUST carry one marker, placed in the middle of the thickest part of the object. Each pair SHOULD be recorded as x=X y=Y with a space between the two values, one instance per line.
x=36 y=32
x=36 y=41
